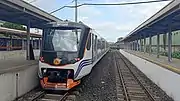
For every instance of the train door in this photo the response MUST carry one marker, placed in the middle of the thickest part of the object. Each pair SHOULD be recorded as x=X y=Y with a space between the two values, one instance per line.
x=92 y=47
x=89 y=46
x=95 y=48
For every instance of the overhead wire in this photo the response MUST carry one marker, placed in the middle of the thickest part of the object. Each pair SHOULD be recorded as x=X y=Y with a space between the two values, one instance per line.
x=128 y=3
x=110 y=4
x=63 y=7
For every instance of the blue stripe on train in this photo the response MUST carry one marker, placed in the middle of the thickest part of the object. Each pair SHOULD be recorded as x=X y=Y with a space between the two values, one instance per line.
x=81 y=65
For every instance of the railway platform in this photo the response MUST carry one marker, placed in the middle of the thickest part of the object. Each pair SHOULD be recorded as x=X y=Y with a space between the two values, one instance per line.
x=162 y=61
x=17 y=75
x=159 y=71
x=17 y=64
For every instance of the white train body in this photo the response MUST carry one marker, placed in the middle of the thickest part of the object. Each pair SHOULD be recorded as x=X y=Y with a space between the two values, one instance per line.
x=59 y=67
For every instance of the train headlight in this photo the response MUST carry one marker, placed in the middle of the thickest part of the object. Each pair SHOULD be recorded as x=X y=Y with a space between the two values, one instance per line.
x=44 y=71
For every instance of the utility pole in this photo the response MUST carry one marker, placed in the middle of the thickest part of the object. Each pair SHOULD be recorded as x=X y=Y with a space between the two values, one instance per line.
x=75 y=10
x=76 y=21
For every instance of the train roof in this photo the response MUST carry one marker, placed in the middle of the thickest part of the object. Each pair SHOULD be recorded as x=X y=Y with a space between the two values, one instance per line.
x=66 y=24
x=69 y=24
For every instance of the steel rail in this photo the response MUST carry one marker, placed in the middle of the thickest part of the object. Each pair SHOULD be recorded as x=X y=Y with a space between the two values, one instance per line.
x=64 y=96
x=40 y=96
x=121 y=79
x=147 y=92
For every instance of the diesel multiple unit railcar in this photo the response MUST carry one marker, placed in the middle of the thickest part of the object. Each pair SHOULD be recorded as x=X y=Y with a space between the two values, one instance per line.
x=69 y=52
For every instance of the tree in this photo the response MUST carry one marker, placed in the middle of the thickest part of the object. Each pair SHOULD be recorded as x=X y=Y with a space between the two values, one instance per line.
x=13 y=26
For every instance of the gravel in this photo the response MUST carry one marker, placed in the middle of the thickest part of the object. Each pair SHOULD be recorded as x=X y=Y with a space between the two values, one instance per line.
x=100 y=85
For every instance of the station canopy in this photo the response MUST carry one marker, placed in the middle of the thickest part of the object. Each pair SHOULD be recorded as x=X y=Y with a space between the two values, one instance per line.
x=21 y=12
x=167 y=19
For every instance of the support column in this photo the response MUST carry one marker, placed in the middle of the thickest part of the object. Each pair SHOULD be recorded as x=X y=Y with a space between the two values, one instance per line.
x=126 y=45
x=39 y=43
x=158 y=46
x=22 y=43
x=132 y=45
x=140 y=44
x=137 y=45
x=144 y=44
x=28 y=42
x=32 y=43
x=150 y=43
x=11 y=43
x=129 y=45
x=170 y=44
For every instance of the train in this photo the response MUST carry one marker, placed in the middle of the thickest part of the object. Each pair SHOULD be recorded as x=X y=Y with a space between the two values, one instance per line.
x=12 y=39
x=69 y=52
x=7 y=44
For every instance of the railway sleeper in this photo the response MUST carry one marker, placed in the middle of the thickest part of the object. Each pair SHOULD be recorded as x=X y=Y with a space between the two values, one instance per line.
x=53 y=96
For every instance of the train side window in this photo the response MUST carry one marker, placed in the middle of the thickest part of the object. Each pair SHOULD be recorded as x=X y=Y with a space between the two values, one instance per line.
x=89 y=42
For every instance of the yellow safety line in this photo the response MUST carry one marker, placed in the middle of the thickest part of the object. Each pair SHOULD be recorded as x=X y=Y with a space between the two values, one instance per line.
x=171 y=68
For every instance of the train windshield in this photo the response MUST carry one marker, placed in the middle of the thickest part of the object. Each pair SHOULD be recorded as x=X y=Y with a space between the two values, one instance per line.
x=61 y=39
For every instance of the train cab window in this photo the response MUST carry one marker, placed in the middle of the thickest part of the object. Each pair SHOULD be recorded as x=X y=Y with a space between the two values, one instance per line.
x=89 y=42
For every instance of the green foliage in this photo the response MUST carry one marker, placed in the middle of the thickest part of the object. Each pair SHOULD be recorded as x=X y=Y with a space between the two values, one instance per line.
x=13 y=26
x=174 y=54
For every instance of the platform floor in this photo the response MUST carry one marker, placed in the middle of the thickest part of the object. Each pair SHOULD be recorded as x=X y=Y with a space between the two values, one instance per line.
x=162 y=60
x=15 y=64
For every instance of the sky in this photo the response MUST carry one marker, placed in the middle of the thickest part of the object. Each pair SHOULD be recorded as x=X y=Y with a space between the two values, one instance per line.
x=111 y=22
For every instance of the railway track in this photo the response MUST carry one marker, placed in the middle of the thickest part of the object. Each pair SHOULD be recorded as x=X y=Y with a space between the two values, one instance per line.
x=130 y=87
x=39 y=94
x=43 y=96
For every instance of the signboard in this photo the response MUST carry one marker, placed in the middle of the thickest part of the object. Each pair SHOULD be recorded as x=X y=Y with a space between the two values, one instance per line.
x=62 y=23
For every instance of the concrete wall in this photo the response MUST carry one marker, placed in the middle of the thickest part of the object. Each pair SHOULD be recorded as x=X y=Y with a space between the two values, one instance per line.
x=7 y=55
x=165 y=79
x=18 y=83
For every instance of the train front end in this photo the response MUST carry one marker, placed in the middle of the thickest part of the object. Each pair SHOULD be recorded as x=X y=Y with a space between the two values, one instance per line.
x=59 y=56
